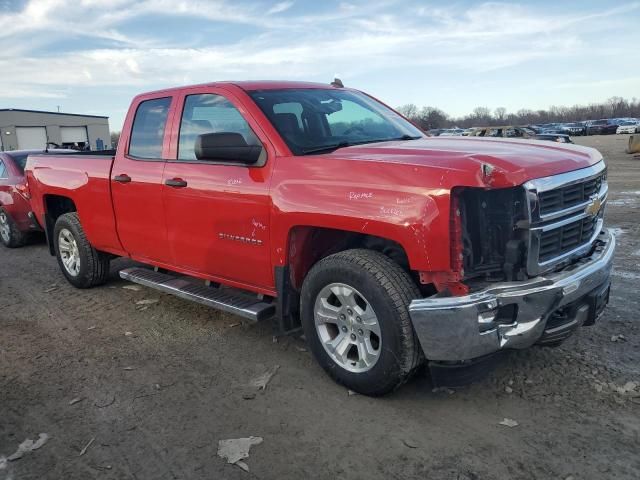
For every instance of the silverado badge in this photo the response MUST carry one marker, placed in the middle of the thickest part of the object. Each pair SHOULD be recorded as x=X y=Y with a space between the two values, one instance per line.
x=594 y=207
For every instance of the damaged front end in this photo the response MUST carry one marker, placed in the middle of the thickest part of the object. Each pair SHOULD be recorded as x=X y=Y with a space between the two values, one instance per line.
x=494 y=235
x=536 y=263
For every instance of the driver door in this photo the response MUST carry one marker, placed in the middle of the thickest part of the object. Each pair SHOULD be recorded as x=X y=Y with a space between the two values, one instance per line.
x=218 y=213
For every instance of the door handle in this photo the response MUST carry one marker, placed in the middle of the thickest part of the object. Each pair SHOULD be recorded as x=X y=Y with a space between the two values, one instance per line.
x=175 y=183
x=124 y=178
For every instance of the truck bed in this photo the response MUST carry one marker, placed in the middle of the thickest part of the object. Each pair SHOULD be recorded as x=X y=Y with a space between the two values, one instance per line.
x=85 y=178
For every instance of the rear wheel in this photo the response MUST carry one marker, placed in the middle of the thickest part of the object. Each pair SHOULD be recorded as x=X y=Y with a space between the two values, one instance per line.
x=10 y=236
x=81 y=264
x=354 y=309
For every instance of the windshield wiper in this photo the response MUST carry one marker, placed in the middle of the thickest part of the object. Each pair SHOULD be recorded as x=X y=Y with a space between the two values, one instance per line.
x=335 y=146
x=327 y=148
x=403 y=137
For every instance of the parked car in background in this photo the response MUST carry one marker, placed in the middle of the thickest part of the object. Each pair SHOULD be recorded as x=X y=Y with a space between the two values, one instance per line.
x=554 y=137
x=16 y=219
x=573 y=129
x=519 y=132
x=435 y=132
x=553 y=131
x=452 y=132
x=628 y=127
x=601 y=127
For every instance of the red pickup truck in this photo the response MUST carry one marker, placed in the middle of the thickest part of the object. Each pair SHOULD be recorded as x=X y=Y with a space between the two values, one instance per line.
x=324 y=210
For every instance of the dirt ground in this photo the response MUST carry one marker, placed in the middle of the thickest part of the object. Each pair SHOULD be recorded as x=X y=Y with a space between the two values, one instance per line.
x=160 y=384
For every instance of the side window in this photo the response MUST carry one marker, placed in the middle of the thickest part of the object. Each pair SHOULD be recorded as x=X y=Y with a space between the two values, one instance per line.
x=210 y=113
x=3 y=171
x=147 y=134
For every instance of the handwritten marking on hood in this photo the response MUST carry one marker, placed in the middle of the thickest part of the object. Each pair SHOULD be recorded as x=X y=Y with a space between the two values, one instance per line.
x=404 y=200
x=360 y=195
x=391 y=211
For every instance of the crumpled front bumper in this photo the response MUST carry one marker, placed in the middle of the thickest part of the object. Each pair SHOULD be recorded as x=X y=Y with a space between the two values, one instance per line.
x=510 y=315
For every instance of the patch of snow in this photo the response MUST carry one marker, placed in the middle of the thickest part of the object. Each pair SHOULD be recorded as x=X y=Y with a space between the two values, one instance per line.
x=623 y=202
x=627 y=275
x=235 y=450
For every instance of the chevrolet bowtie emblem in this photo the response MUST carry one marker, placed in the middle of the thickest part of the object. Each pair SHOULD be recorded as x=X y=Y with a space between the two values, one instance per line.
x=594 y=207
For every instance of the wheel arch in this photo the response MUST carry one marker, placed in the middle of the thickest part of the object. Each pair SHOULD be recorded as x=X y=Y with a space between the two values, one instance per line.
x=54 y=207
x=306 y=245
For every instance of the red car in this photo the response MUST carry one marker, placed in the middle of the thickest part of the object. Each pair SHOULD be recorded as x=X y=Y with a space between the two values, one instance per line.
x=320 y=208
x=16 y=219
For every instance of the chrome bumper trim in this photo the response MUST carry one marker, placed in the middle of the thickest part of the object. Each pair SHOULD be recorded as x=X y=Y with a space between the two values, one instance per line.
x=464 y=328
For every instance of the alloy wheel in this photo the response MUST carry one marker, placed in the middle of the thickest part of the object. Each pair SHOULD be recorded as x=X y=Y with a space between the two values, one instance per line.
x=348 y=327
x=69 y=253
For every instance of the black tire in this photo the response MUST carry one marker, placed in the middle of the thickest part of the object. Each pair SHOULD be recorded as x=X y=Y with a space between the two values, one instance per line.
x=94 y=265
x=389 y=290
x=15 y=237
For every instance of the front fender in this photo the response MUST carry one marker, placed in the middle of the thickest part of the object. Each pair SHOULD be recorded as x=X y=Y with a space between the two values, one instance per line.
x=415 y=218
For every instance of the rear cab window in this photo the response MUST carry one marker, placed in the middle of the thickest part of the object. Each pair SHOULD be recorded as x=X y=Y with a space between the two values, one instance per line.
x=3 y=170
x=147 y=132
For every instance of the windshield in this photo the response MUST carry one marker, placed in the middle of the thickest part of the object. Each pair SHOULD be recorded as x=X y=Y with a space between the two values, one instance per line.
x=317 y=120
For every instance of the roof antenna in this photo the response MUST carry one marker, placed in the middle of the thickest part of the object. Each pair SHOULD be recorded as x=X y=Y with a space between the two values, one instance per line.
x=337 y=83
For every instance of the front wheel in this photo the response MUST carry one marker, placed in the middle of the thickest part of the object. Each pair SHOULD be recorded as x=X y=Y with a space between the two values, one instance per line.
x=354 y=310
x=81 y=264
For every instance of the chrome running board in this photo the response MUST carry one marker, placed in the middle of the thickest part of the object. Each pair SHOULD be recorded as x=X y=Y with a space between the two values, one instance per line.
x=230 y=301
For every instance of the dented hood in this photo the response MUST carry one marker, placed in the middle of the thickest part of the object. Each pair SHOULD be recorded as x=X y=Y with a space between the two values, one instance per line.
x=508 y=161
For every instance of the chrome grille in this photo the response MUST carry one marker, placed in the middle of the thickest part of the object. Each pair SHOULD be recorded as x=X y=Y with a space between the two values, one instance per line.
x=564 y=239
x=566 y=214
x=569 y=196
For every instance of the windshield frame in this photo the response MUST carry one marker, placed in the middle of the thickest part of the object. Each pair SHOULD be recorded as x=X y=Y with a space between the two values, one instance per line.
x=399 y=127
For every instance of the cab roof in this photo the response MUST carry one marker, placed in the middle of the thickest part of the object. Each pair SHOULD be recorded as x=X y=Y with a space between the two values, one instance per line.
x=249 y=85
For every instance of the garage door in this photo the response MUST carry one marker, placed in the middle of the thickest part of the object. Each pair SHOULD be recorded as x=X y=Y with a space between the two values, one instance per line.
x=31 y=137
x=73 y=134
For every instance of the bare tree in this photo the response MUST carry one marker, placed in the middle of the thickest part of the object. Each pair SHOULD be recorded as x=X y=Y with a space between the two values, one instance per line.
x=481 y=112
x=500 y=114
x=410 y=110
x=115 y=136
x=431 y=117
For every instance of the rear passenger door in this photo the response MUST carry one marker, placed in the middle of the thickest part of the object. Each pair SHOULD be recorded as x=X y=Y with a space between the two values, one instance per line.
x=218 y=213
x=136 y=181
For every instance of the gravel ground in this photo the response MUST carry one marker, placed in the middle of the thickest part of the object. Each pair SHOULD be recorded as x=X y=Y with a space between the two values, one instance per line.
x=157 y=386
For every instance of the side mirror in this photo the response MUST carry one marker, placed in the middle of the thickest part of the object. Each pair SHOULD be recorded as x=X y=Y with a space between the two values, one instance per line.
x=226 y=147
